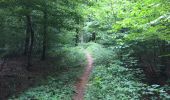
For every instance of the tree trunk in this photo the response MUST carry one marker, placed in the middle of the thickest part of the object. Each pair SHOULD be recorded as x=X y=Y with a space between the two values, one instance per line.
x=27 y=36
x=31 y=41
x=77 y=37
x=44 y=37
x=94 y=36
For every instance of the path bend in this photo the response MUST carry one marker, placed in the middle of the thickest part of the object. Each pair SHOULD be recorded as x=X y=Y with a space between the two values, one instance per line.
x=83 y=80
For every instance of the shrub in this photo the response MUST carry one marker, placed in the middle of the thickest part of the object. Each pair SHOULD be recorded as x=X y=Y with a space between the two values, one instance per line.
x=70 y=56
x=100 y=54
x=113 y=82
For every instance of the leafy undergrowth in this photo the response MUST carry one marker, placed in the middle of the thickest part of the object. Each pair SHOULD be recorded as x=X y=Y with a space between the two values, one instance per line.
x=113 y=83
x=100 y=54
x=110 y=80
x=59 y=83
x=55 y=87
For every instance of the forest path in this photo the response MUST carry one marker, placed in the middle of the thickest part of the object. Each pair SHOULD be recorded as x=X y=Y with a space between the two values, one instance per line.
x=83 y=80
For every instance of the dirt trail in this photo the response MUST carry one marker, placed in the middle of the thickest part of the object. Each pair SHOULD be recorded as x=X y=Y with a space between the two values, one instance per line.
x=81 y=84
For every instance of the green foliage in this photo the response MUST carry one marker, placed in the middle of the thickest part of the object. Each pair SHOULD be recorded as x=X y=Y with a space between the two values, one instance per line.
x=110 y=80
x=57 y=86
x=100 y=54
x=113 y=82
x=131 y=34
x=61 y=17
x=70 y=56
x=156 y=92
x=116 y=80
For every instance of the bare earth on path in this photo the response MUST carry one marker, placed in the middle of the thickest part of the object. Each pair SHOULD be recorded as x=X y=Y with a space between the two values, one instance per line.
x=81 y=84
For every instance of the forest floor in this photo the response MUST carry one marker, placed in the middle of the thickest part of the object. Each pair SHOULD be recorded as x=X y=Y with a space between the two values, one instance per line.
x=68 y=82
x=15 y=80
x=83 y=80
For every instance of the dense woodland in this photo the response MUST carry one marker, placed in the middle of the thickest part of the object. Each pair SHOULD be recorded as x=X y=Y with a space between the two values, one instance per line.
x=43 y=45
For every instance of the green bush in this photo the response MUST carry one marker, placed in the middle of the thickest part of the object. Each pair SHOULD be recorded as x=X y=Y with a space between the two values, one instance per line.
x=116 y=79
x=100 y=54
x=70 y=56
x=156 y=92
x=58 y=85
x=113 y=82
x=54 y=87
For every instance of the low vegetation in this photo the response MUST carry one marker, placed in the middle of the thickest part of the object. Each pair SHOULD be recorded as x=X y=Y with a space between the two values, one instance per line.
x=114 y=80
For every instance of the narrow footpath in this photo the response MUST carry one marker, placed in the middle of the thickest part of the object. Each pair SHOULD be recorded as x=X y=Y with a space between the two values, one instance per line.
x=81 y=83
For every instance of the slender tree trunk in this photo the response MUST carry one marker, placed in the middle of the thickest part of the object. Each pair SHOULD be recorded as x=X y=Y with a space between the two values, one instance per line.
x=77 y=37
x=94 y=36
x=27 y=36
x=31 y=41
x=44 y=36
